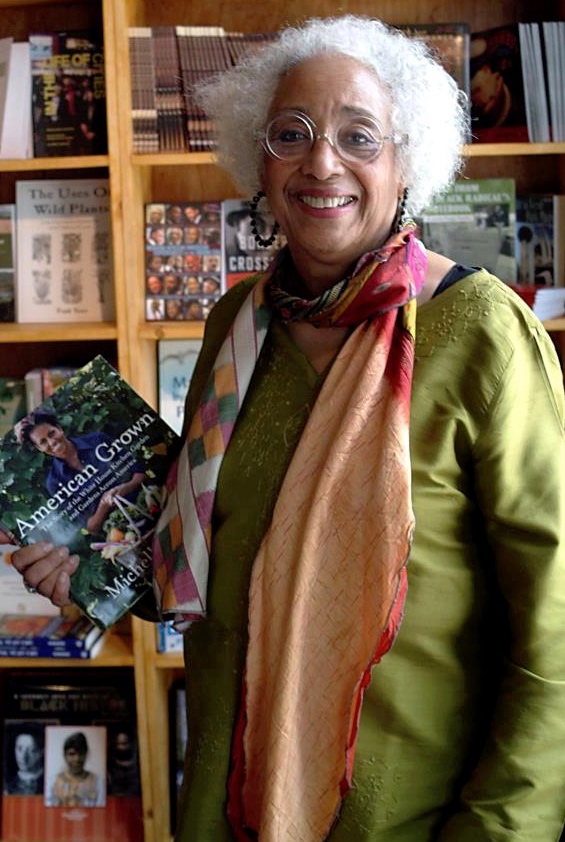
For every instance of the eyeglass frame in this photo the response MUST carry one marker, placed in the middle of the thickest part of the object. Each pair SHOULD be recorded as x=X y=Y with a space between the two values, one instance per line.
x=398 y=139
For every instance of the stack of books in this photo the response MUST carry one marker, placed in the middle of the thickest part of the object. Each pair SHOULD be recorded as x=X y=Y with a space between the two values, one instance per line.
x=37 y=636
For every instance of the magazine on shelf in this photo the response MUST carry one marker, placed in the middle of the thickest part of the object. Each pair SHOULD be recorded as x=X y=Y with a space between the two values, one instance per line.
x=68 y=93
x=89 y=477
x=243 y=256
x=64 y=251
x=48 y=712
x=473 y=223
x=183 y=256
x=44 y=636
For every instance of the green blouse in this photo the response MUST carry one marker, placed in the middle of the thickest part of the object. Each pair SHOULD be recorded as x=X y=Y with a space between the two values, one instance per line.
x=462 y=734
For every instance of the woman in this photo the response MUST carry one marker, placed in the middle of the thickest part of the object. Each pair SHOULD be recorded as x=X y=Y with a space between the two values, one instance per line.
x=76 y=786
x=305 y=722
x=69 y=455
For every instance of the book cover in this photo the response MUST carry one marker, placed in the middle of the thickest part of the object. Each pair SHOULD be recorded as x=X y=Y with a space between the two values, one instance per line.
x=44 y=636
x=64 y=253
x=85 y=470
x=540 y=232
x=68 y=93
x=243 y=256
x=553 y=40
x=183 y=260
x=14 y=598
x=474 y=223
x=7 y=262
x=70 y=759
x=16 y=138
x=176 y=359
x=451 y=45
x=168 y=639
x=5 y=51
x=497 y=86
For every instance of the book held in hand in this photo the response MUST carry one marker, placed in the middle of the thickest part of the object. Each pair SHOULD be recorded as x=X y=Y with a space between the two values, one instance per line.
x=85 y=470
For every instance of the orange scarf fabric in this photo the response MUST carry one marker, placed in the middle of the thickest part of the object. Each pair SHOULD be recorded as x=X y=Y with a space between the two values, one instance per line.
x=329 y=582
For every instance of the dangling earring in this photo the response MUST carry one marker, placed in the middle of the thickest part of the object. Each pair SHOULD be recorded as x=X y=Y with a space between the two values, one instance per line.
x=401 y=217
x=261 y=241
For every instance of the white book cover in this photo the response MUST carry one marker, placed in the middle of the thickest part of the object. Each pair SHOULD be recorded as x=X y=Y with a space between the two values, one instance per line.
x=5 y=50
x=64 y=251
x=176 y=361
x=16 y=139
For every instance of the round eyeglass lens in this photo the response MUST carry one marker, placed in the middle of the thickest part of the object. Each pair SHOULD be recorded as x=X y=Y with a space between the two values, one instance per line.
x=290 y=136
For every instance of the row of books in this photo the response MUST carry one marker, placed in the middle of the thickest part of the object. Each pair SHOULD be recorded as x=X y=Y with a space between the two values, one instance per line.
x=70 y=767
x=52 y=95
x=56 y=252
x=512 y=77
x=43 y=636
x=195 y=251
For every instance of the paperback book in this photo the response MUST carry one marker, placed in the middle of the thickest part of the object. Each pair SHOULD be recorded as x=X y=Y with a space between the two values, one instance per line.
x=68 y=93
x=7 y=262
x=85 y=470
x=474 y=223
x=168 y=638
x=41 y=636
x=16 y=135
x=76 y=731
x=176 y=359
x=183 y=258
x=64 y=253
x=243 y=256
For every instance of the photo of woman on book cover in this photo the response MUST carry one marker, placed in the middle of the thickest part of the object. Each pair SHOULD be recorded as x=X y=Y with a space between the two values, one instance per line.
x=75 y=766
x=69 y=455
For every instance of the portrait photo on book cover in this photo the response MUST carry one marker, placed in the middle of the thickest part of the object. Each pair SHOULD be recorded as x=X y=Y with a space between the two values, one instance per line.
x=75 y=766
x=24 y=757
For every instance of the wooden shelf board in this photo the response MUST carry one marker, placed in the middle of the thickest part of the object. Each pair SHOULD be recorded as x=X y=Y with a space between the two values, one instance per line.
x=60 y=332
x=42 y=164
x=171 y=330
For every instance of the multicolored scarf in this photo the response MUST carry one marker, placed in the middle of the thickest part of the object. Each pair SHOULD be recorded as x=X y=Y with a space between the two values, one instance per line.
x=329 y=582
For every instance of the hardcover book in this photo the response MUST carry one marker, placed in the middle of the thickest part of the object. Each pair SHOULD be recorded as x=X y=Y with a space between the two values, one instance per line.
x=85 y=470
x=451 y=45
x=175 y=363
x=243 y=256
x=474 y=223
x=68 y=94
x=540 y=239
x=64 y=253
x=183 y=257
x=7 y=262
x=70 y=757
x=498 y=111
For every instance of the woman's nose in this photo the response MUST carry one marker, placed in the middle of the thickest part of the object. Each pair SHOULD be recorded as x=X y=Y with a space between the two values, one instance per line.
x=323 y=159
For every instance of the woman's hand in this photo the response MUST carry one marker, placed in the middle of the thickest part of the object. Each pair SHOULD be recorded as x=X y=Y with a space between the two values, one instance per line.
x=47 y=569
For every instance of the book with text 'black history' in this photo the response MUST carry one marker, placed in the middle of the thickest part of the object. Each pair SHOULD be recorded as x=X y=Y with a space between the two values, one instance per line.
x=85 y=470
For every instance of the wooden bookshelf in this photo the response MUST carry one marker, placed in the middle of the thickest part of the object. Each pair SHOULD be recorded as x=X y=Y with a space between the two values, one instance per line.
x=136 y=179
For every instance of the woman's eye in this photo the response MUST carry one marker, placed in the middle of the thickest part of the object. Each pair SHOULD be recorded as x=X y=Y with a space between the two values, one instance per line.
x=291 y=136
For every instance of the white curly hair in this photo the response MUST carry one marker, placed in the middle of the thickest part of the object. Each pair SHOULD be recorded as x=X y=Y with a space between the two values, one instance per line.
x=426 y=102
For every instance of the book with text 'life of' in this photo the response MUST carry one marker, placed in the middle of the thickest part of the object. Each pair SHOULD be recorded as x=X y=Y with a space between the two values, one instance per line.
x=85 y=470
x=70 y=757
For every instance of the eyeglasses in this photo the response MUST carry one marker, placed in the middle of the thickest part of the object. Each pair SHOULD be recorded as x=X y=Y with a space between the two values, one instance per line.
x=291 y=135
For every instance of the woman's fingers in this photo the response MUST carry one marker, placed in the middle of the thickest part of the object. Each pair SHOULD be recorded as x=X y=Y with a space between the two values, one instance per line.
x=47 y=569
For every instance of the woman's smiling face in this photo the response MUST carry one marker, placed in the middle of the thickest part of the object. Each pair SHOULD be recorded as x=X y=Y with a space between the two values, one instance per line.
x=332 y=211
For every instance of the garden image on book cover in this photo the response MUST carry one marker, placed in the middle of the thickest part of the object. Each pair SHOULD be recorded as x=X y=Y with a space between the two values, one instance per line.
x=85 y=470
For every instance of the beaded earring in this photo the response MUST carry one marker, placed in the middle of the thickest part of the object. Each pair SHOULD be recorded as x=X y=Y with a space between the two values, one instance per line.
x=261 y=241
x=401 y=218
